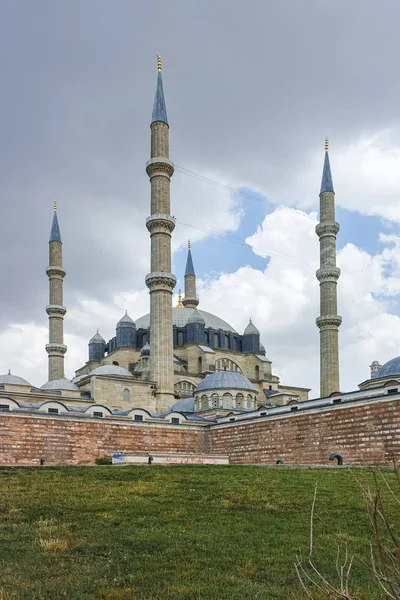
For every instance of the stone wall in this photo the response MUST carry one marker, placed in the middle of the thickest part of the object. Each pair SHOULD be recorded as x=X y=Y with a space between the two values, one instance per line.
x=367 y=432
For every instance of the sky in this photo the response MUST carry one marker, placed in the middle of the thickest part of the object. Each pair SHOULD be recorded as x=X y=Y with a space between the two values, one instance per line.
x=252 y=89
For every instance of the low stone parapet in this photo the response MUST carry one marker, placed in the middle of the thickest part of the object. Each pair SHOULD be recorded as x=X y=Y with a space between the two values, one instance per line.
x=168 y=458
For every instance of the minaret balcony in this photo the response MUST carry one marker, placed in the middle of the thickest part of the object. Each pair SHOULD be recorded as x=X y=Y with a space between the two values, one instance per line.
x=160 y=223
x=56 y=310
x=327 y=228
x=56 y=349
x=328 y=274
x=160 y=167
x=328 y=322
x=160 y=280
x=56 y=272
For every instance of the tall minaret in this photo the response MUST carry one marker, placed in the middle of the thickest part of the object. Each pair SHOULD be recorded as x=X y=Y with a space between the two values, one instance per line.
x=190 y=300
x=56 y=311
x=327 y=275
x=160 y=281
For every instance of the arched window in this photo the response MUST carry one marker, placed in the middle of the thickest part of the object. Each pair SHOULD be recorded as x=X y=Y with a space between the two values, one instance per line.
x=257 y=372
x=215 y=401
x=206 y=338
x=249 y=403
x=226 y=341
x=180 y=338
x=224 y=364
x=204 y=402
x=126 y=395
x=239 y=401
x=199 y=365
x=227 y=400
x=115 y=362
x=216 y=341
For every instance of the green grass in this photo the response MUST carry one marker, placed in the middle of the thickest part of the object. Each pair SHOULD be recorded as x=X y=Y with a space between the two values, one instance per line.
x=190 y=532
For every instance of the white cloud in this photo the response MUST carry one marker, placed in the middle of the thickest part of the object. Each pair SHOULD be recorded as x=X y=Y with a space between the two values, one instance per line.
x=284 y=300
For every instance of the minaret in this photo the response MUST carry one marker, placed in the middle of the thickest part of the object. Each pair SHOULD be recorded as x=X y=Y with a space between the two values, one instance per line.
x=160 y=281
x=56 y=311
x=190 y=300
x=327 y=275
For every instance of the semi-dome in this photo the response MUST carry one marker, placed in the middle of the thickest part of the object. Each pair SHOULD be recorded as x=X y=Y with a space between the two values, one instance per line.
x=60 y=384
x=13 y=380
x=97 y=339
x=251 y=329
x=392 y=367
x=196 y=317
x=145 y=351
x=180 y=318
x=111 y=370
x=184 y=405
x=225 y=380
x=126 y=321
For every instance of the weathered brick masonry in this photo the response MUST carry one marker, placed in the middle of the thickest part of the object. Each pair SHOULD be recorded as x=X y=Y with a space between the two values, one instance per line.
x=365 y=433
x=67 y=441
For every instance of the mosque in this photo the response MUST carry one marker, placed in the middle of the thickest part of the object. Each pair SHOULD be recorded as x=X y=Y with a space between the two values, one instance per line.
x=181 y=363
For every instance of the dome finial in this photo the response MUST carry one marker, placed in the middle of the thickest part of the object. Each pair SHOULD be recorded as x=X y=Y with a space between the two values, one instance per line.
x=55 y=204
x=159 y=62
x=9 y=371
x=180 y=305
x=97 y=330
x=326 y=144
x=126 y=312
x=188 y=244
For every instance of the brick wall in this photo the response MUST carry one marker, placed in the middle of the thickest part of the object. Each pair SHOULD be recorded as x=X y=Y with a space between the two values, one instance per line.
x=363 y=433
x=24 y=439
x=367 y=433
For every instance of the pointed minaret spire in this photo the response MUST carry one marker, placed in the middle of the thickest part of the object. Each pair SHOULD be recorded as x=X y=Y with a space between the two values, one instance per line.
x=55 y=235
x=328 y=274
x=190 y=300
x=160 y=281
x=55 y=309
x=159 y=107
x=327 y=181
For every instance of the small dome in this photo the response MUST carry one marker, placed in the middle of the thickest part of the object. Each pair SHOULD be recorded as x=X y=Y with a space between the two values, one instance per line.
x=196 y=317
x=97 y=339
x=375 y=363
x=251 y=329
x=111 y=370
x=126 y=321
x=13 y=379
x=225 y=380
x=392 y=367
x=145 y=351
x=184 y=405
x=60 y=384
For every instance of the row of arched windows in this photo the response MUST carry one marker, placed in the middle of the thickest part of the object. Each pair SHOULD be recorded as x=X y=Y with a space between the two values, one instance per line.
x=224 y=364
x=226 y=400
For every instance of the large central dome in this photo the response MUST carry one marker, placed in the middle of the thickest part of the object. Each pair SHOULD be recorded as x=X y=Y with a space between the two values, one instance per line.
x=180 y=318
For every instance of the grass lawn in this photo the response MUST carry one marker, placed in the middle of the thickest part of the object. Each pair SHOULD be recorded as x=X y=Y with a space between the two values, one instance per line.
x=190 y=532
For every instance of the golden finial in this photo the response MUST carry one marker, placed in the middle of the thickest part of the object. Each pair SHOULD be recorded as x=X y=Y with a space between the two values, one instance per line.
x=326 y=144
x=55 y=204
x=250 y=320
x=159 y=63
x=179 y=305
x=189 y=244
x=126 y=313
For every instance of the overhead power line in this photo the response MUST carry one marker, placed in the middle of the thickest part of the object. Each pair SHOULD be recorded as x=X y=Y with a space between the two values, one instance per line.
x=262 y=251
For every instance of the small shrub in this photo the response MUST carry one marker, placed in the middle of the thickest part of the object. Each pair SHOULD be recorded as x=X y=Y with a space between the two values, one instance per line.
x=103 y=460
